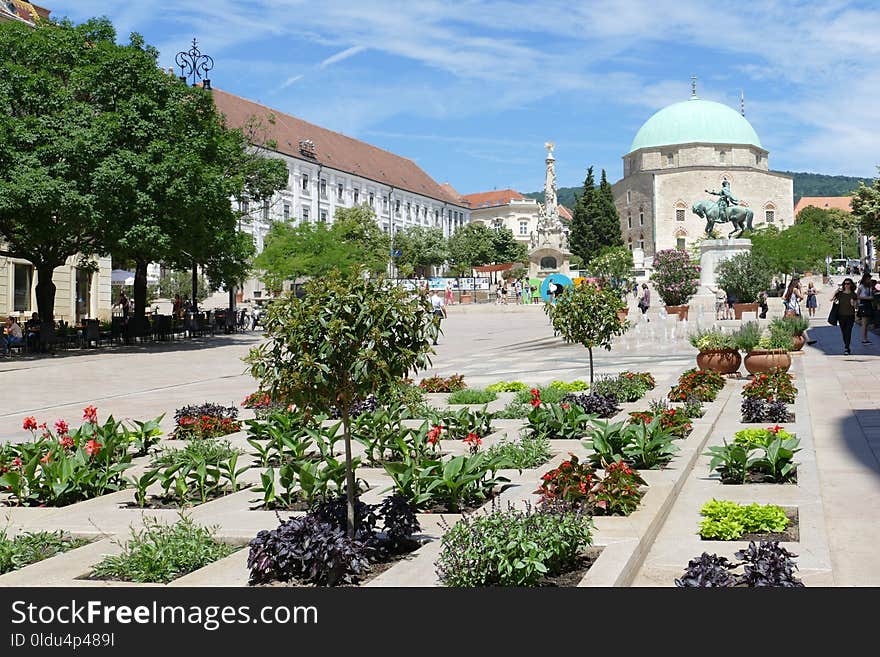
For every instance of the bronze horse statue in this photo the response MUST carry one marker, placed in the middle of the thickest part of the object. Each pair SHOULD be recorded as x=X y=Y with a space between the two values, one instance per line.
x=739 y=216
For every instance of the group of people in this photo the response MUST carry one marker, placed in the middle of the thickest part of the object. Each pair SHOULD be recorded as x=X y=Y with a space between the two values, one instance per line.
x=851 y=303
x=14 y=335
x=523 y=291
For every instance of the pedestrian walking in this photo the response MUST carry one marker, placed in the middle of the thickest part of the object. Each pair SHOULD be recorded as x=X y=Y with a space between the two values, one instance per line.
x=518 y=290
x=438 y=308
x=845 y=300
x=865 y=311
x=812 y=300
x=645 y=300
x=449 y=298
x=792 y=298
x=731 y=302
x=720 y=303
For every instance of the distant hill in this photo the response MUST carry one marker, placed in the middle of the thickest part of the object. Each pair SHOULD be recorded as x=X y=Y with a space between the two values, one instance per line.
x=805 y=184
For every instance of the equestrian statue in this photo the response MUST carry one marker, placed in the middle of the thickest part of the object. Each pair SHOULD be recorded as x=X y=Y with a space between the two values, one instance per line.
x=725 y=209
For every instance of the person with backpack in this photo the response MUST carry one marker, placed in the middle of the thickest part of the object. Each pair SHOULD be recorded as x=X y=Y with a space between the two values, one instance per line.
x=645 y=300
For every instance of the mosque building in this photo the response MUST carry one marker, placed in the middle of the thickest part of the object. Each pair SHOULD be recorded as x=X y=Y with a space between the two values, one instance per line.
x=678 y=154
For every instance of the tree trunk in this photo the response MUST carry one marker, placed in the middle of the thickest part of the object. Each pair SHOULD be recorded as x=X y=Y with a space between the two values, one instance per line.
x=590 y=349
x=46 y=293
x=140 y=296
x=349 y=471
x=195 y=289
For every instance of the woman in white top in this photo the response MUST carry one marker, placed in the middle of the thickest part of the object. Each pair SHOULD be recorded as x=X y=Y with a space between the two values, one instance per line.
x=865 y=293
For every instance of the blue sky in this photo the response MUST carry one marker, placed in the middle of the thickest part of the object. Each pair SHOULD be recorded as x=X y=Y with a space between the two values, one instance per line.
x=471 y=90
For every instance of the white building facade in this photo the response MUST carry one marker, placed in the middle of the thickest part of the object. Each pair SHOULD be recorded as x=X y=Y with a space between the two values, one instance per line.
x=328 y=171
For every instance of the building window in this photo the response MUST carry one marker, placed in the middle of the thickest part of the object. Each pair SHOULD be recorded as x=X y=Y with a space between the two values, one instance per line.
x=323 y=216
x=629 y=196
x=397 y=207
x=641 y=217
x=679 y=244
x=679 y=214
x=630 y=245
x=769 y=216
x=407 y=210
x=286 y=212
x=722 y=157
x=323 y=188
x=384 y=204
x=436 y=215
x=265 y=209
x=372 y=200
x=629 y=220
x=23 y=275
x=356 y=195
x=523 y=227
x=642 y=244
x=244 y=206
x=339 y=191
x=305 y=215
x=670 y=159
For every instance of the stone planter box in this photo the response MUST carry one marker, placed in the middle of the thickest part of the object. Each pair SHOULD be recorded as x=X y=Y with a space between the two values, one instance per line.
x=681 y=311
x=740 y=308
x=764 y=360
x=723 y=361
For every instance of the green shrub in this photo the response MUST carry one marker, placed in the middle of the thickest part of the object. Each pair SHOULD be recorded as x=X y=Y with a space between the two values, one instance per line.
x=707 y=340
x=30 y=547
x=515 y=410
x=526 y=453
x=507 y=386
x=162 y=553
x=471 y=396
x=441 y=384
x=623 y=389
x=513 y=547
x=728 y=521
x=569 y=386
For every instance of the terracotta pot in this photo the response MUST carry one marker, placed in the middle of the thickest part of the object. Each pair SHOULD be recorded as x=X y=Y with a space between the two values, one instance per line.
x=467 y=298
x=764 y=360
x=740 y=308
x=798 y=342
x=723 y=361
x=681 y=311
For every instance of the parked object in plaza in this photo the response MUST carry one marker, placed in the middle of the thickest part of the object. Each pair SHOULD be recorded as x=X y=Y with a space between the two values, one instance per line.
x=718 y=351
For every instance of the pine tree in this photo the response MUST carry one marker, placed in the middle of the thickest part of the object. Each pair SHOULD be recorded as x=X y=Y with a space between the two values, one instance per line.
x=606 y=220
x=581 y=235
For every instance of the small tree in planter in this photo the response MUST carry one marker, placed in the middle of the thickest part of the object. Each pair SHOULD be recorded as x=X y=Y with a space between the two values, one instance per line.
x=345 y=339
x=745 y=275
x=587 y=315
x=675 y=276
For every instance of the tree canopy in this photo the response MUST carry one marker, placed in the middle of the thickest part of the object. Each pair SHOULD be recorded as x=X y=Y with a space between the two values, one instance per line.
x=420 y=249
x=595 y=223
x=353 y=241
x=866 y=207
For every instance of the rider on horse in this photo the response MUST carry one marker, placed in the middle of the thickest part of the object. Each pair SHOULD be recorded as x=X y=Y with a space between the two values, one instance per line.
x=725 y=199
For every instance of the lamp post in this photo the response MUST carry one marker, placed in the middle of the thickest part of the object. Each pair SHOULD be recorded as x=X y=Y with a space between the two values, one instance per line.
x=194 y=65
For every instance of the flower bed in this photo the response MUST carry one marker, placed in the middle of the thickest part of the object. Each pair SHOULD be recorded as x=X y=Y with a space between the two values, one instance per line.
x=699 y=384
x=756 y=456
x=617 y=493
x=63 y=467
x=441 y=384
x=775 y=385
x=763 y=565
x=29 y=547
x=729 y=521
x=673 y=420
x=205 y=421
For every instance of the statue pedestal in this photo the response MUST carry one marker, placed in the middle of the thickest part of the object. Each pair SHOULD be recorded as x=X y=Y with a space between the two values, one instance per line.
x=713 y=253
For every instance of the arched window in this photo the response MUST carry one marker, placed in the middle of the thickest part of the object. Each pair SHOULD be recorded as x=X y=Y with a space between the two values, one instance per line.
x=769 y=213
x=548 y=262
x=722 y=156
x=629 y=219
x=629 y=196
x=641 y=217
x=680 y=210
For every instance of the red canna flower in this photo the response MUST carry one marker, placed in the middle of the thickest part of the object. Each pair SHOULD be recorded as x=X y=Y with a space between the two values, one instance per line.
x=61 y=427
x=90 y=414
x=16 y=462
x=30 y=424
x=565 y=407
x=67 y=442
x=47 y=458
x=434 y=434
x=93 y=447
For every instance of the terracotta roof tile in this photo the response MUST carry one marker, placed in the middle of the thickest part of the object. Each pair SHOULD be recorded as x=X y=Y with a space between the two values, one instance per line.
x=492 y=199
x=333 y=149
x=564 y=213
x=824 y=203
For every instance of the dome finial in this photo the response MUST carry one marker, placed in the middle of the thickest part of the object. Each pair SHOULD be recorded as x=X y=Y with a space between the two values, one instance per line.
x=693 y=86
x=742 y=102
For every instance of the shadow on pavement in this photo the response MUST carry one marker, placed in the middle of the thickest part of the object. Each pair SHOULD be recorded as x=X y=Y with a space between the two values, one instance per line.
x=853 y=430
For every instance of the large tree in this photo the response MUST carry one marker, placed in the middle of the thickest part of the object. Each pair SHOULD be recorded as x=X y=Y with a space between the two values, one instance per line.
x=798 y=248
x=866 y=207
x=354 y=241
x=470 y=246
x=507 y=248
x=102 y=152
x=842 y=225
x=581 y=234
x=595 y=223
x=57 y=133
x=420 y=249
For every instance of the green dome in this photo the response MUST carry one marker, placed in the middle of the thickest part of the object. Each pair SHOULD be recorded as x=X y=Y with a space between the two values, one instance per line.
x=695 y=120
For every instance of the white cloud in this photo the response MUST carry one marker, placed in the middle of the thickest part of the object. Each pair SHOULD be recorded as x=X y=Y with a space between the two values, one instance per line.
x=340 y=56
x=289 y=81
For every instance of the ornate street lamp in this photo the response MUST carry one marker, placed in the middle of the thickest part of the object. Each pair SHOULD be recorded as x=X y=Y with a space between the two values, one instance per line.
x=195 y=65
